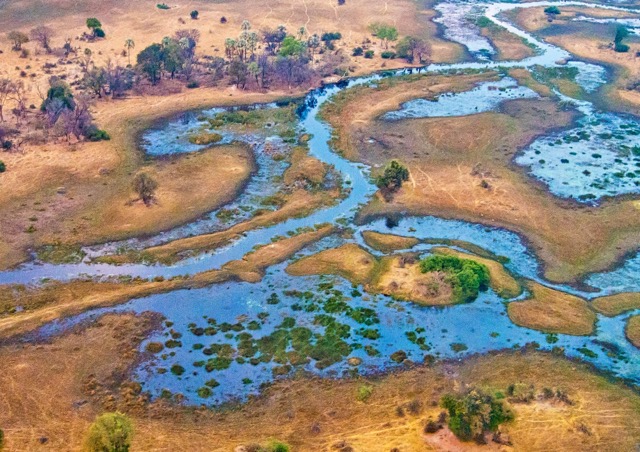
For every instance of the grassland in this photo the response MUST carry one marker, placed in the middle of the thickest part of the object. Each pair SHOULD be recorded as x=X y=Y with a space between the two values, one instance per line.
x=552 y=311
x=632 y=330
x=388 y=243
x=449 y=158
x=84 y=372
x=617 y=304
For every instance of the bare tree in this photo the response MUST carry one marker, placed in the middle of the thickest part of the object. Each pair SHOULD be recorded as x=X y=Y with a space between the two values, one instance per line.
x=42 y=35
x=7 y=87
x=19 y=96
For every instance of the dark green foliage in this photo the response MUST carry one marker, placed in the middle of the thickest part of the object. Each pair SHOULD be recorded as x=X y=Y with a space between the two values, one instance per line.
x=621 y=33
x=150 y=61
x=393 y=176
x=177 y=370
x=358 y=51
x=110 y=432
x=474 y=413
x=467 y=277
x=204 y=392
x=162 y=6
x=94 y=134
x=369 y=54
x=3 y=167
x=194 y=14
x=552 y=10
x=59 y=91
x=388 y=55
x=99 y=33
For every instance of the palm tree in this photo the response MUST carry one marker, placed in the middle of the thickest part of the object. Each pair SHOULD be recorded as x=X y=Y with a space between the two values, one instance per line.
x=129 y=44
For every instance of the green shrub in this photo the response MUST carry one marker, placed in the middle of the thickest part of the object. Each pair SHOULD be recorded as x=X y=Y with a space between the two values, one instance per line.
x=358 y=51
x=110 y=432
x=466 y=277
x=95 y=134
x=194 y=14
x=369 y=54
x=3 y=167
x=277 y=446
x=162 y=6
x=553 y=10
x=364 y=392
x=474 y=413
x=388 y=55
x=394 y=174
x=621 y=48
x=99 y=33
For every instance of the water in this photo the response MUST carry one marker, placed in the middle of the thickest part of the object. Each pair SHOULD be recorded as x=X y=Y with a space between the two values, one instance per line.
x=333 y=311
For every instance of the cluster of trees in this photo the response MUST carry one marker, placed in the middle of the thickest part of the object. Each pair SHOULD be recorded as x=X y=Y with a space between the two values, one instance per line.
x=110 y=432
x=621 y=33
x=392 y=177
x=473 y=414
x=467 y=277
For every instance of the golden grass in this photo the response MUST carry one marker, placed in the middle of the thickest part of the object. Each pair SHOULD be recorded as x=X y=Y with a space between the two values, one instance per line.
x=502 y=282
x=304 y=168
x=552 y=311
x=388 y=243
x=632 y=330
x=613 y=305
x=42 y=383
x=448 y=159
x=349 y=261
x=509 y=46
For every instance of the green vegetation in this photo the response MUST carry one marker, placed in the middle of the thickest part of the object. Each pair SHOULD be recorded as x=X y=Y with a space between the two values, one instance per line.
x=393 y=176
x=204 y=138
x=474 y=413
x=466 y=277
x=386 y=33
x=552 y=11
x=621 y=33
x=3 y=167
x=95 y=26
x=194 y=14
x=162 y=6
x=364 y=392
x=111 y=432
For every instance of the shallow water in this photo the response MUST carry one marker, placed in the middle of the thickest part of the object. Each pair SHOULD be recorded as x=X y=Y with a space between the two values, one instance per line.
x=480 y=326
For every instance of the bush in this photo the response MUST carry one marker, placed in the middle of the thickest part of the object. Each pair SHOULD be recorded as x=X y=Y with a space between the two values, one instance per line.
x=553 y=10
x=193 y=84
x=162 y=6
x=95 y=134
x=393 y=176
x=278 y=446
x=466 y=277
x=621 y=48
x=474 y=413
x=369 y=54
x=358 y=51
x=363 y=393
x=3 y=167
x=99 y=32
x=194 y=14
x=110 y=432
x=388 y=55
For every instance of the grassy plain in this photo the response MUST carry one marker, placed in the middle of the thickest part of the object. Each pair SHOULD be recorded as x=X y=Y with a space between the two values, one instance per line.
x=54 y=390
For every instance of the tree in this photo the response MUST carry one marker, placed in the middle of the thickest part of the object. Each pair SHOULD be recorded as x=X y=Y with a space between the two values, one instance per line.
x=42 y=35
x=145 y=186
x=621 y=33
x=273 y=38
x=552 y=12
x=386 y=33
x=238 y=73
x=94 y=24
x=129 y=44
x=150 y=62
x=411 y=48
x=7 y=88
x=292 y=47
x=393 y=176
x=95 y=80
x=110 y=432
x=17 y=38
x=59 y=93
x=474 y=413
x=194 y=14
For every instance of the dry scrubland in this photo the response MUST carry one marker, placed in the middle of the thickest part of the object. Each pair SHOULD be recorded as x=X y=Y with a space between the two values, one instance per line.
x=94 y=177
x=448 y=158
x=58 y=388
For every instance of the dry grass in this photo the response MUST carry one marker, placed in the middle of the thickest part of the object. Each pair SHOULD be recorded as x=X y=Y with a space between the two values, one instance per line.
x=509 y=46
x=552 y=311
x=617 y=304
x=502 y=282
x=388 y=243
x=42 y=385
x=448 y=159
x=349 y=261
x=632 y=330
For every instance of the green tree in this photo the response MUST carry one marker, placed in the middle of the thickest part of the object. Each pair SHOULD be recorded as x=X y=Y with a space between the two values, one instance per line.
x=393 y=176
x=94 y=24
x=110 y=432
x=59 y=90
x=150 y=62
x=621 y=33
x=292 y=47
x=386 y=33
x=145 y=186
x=552 y=11
x=17 y=38
x=474 y=413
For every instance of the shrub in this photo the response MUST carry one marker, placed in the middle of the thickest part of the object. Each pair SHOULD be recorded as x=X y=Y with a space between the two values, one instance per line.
x=466 y=277
x=553 y=10
x=3 y=167
x=177 y=369
x=223 y=20
x=474 y=413
x=364 y=392
x=110 y=432
x=621 y=48
x=193 y=84
x=194 y=14
x=394 y=174
x=369 y=54
x=99 y=32
x=388 y=55
x=95 y=134
x=162 y=6
x=358 y=51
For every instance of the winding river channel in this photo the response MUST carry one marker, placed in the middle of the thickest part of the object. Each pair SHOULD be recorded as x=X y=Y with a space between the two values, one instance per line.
x=217 y=338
